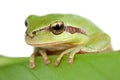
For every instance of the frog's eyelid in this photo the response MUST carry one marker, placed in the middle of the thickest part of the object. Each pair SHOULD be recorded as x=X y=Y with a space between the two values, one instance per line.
x=73 y=30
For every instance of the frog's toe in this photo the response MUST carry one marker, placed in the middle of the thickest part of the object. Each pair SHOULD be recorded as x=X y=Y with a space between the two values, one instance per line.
x=70 y=60
x=32 y=65
x=57 y=62
x=47 y=61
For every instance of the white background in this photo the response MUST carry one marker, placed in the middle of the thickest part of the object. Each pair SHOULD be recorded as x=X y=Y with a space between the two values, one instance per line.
x=104 y=13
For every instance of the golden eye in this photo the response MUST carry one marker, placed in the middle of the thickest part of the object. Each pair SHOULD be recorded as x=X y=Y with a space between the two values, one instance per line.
x=57 y=27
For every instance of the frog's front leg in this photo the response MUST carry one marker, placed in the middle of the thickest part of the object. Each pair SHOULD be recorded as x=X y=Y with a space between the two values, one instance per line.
x=72 y=52
x=35 y=53
x=98 y=43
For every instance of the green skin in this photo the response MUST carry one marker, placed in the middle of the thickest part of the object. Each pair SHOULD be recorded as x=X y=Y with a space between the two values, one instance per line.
x=91 y=39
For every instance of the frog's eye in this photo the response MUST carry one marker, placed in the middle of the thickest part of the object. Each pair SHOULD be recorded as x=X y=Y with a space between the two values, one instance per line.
x=26 y=23
x=57 y=27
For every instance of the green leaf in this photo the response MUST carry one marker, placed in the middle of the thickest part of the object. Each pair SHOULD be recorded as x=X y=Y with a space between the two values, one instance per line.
x=103 y=66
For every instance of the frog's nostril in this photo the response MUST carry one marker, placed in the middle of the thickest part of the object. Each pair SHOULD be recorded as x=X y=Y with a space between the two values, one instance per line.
x=28 y=35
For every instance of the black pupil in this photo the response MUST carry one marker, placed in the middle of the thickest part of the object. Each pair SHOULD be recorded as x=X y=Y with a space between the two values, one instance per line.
x=57 y=27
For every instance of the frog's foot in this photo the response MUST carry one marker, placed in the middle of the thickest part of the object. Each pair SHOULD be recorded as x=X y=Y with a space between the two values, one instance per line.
x=32 y=61
x=72 y=52
x=70 y=61
x=32 y=64
x=57 y=62
x=46 y=61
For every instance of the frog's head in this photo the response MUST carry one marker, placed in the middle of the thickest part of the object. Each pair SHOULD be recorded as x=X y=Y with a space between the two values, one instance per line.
x=52 y=29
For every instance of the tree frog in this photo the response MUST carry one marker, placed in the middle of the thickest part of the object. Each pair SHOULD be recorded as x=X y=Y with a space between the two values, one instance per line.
x=64 y=34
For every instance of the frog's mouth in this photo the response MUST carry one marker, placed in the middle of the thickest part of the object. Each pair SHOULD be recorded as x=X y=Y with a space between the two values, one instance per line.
x=69 y=29
x=53 y=46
